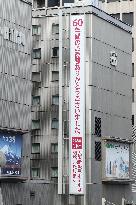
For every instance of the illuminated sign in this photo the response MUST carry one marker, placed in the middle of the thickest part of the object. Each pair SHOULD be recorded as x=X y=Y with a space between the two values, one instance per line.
x=13 y=35
x=117 y=160
x=10 y=154
x=77 y=104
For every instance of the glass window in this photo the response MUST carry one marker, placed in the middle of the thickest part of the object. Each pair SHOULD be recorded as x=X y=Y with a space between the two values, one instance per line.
x=54 y=148
x=132 y=44
x=36 y=77
x=55 y=52
x=128 y=18
x=35 y=124
x=40 y=3
x=108 y=1
x=55 y=124
x=52 y=3
x=55 y=28
x=98 y=126
x=98 y=151
x=35 y=172
x=133 y=70
x=116 y=15
x=55 y=75
x=54 y=172
x=36 y=29
x=133 y=120
x=37 y=53
x=55 y=99
x=133 y=98
x=35 y=148
x=35 y=100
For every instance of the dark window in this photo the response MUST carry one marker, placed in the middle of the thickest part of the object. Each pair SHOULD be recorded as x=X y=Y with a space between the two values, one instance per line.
x=55 y=75
x=133 y=97
x=55 y=99
x=128 y=18
x=55 y=52
x=133 y=119
x=32 y=193
x=55 y=28
x=108 y=1
x=54 y=147
x=98 y=126
x=54 y=172
x=35 y=172
x=35 y=148
x=37 y=53
x=133 y=70
x=35 y=100
x=40 y=3
x=98 y=151
x=55 y=124
x=132 y=44
x=36 y=30
x=52 y=3
x=116 y=15
x=35 y=124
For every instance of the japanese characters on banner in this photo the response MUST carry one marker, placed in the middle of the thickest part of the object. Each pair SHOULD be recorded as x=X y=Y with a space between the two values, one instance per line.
x=77 y=104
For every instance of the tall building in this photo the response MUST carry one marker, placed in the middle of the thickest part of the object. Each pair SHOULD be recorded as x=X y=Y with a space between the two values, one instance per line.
x=81 y=107
x=126 y=12
x=15 y=98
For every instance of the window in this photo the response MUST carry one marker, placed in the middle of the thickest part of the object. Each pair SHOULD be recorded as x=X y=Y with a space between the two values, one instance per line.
x=108 y=1
x=55 y=52
x=133 y=97
x=98 y=127
x=35 y=100
x=36 y=77
x=98 y=151
x=128 y=18
x=37 y=53
x=52 y=3
x=35 y=172
x=55 y=124
x=36 y=30
x=32 y=193
x=54 y=148
x=66 y=128
x=40 y=3
x=133 y=73
x=35 y=148
x=54 y=172
x=55 y=99
x=55 y=75
x=133 y=120
x=55 y=28
x=116 y=15
x=35 y=124
x=132 y=44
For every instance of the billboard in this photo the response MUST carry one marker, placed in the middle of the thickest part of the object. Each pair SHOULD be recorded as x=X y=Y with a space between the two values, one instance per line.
x=117 y=160
x=10 y=154
x=77 y=104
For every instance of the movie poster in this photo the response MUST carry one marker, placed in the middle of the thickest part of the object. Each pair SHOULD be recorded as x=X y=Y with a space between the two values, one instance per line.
x=117 y=160
x=10 y=154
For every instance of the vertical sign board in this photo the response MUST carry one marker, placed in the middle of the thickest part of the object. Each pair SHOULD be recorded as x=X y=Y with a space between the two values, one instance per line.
x=77 y=104
x=10 y=154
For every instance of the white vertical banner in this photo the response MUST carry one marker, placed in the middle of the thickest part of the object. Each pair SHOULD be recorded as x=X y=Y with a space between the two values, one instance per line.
x=77 y=105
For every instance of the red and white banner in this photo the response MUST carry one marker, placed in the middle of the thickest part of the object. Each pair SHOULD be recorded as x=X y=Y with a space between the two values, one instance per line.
x=77 y=104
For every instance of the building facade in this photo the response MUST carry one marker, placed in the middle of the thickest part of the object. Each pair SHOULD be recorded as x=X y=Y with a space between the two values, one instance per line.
x=107 y=112
x=15 y=97
x=126 y=12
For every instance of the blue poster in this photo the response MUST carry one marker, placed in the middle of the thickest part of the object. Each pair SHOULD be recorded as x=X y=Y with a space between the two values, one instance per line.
x=10 y=154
